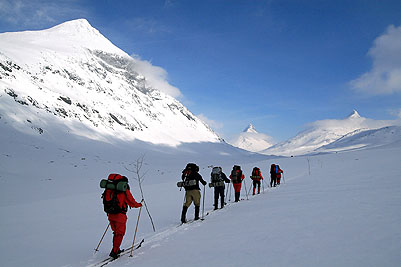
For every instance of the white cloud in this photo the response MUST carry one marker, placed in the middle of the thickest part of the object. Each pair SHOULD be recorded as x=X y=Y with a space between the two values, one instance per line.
x=215 y=125
x=385 y=75
x=155 y=76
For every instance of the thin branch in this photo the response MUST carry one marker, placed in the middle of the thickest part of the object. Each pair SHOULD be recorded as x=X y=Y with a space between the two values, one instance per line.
x=140 y=178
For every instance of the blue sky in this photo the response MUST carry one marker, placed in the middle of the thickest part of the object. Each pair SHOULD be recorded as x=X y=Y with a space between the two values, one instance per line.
x=277 y=64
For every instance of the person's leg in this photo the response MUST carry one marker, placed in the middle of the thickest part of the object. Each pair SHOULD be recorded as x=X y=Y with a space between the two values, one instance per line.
x=216 y=197
x=196 y=197
x=118 y=235
x=222 y=197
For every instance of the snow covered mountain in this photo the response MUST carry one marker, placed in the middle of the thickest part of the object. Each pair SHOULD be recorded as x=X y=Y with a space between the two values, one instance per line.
x=324 y=132
x=73 y=77
x=252 y=140
x=360 y=139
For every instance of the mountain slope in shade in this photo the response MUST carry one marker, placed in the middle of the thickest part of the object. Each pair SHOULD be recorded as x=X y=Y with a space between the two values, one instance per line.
x=252 y=140
x=324 y=132
x=71 y=75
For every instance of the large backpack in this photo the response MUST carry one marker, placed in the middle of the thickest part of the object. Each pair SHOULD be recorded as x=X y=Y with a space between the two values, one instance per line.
x=236 y=176
x=114 y=185
x=256 y=174
x=216 y=178
x=191 y=167
x=216 y=175
x=273 y=169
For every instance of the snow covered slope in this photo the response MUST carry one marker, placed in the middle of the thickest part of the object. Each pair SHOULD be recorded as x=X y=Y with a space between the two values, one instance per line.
x=252 y=140
x=365 y=139
x=72 y=75
x=321 y=133
x=52 y=213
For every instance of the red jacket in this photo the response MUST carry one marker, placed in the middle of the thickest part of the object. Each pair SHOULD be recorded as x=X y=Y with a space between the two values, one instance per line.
x=237 y=186
x=125 y=199
x=280 y=171
x=242 y=177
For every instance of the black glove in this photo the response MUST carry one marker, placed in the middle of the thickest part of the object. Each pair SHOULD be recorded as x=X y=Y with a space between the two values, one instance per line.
x=203 y=182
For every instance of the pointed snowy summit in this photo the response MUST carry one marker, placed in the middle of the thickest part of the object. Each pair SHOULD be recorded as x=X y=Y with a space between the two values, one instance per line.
x=70 y=38
x=81 y=26
x=354 y=115
x=250 y=129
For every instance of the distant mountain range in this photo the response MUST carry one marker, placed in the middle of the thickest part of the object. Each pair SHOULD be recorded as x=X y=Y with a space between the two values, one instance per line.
x=72 y=76
x=351 y=132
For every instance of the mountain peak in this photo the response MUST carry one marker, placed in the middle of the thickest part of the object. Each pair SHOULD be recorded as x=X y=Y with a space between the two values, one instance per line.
x=71 y=37
x=250 y=129
x=76 y=27
x=354 y=115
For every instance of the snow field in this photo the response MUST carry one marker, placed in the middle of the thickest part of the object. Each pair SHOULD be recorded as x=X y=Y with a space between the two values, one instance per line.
x=339 y=209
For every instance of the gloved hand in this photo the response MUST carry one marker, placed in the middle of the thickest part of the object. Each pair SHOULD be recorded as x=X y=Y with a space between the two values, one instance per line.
x=203 y=182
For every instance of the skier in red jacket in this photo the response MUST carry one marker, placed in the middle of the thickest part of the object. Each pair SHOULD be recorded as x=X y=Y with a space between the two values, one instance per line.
x=118 y=221
x=278 y=174
x=236 y=177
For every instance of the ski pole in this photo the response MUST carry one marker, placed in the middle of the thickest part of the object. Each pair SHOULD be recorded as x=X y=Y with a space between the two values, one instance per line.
x=183 y=201
x=203 y=205
x=136 y=228
x=97 y=248
x=230 y=193
x=249 y=191
x=283 y=178
x=246 y=192
x=263 y=186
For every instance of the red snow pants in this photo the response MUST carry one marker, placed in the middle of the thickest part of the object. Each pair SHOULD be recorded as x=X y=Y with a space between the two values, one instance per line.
x=118 y=234
x=237 y=187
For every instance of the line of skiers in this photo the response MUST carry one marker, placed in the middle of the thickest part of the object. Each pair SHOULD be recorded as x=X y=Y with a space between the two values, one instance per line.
x=117 y=196
x=191 y=178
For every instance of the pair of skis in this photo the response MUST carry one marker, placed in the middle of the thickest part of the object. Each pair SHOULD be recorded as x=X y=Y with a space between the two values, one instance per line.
x=193 y=220
x=125 y=251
